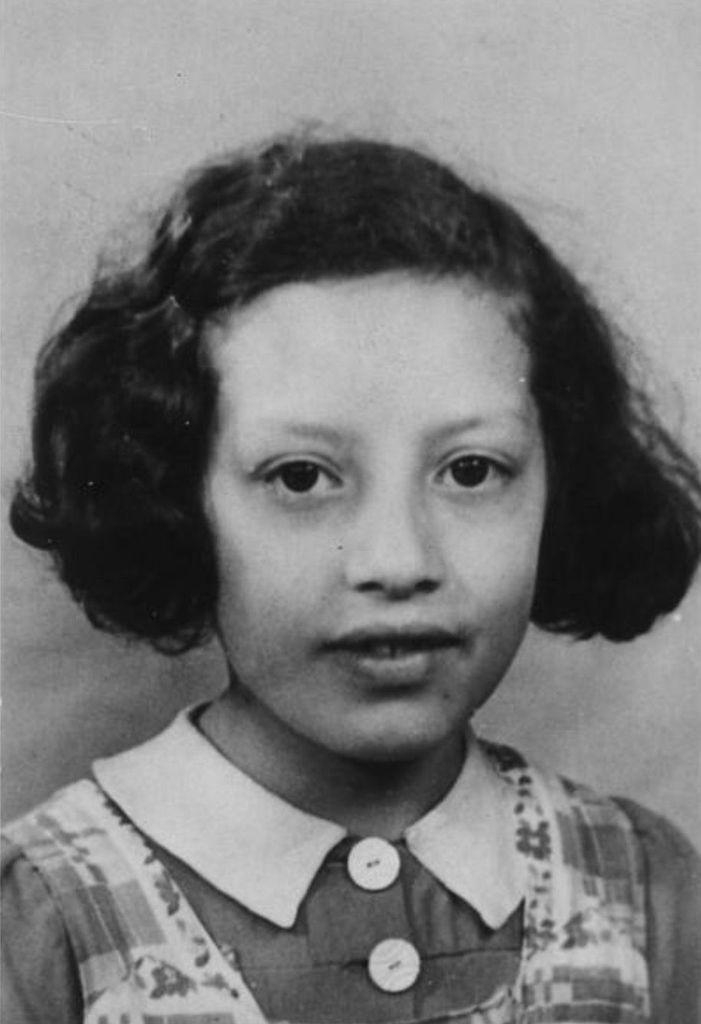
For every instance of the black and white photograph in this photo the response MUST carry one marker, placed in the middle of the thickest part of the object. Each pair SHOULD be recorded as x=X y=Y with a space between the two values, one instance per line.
x=351 y=511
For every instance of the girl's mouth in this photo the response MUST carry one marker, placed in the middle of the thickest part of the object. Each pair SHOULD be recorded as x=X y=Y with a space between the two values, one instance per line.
x=392 y=649
x=401 y=657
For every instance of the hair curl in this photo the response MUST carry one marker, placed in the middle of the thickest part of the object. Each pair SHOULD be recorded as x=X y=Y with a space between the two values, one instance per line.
x=125 y=398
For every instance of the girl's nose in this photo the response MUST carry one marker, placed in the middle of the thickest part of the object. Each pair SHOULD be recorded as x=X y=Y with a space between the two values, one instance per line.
x=393 y=552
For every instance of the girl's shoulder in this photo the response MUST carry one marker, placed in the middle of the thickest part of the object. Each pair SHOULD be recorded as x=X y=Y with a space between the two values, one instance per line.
x=610 y=839
x=662 y=841
x=39 y=854
x=39 y=970
x=672 y=869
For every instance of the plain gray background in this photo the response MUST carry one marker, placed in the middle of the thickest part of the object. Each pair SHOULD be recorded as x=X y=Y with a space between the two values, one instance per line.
x=585 y=114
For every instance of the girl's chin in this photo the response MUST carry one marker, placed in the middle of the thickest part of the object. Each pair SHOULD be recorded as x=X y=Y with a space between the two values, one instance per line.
x=393 y=742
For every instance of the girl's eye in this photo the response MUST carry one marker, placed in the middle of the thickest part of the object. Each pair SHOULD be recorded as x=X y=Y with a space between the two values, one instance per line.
x=472 y=471
x=299 y=477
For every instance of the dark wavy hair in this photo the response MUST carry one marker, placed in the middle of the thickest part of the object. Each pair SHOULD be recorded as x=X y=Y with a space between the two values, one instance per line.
x=125 y=397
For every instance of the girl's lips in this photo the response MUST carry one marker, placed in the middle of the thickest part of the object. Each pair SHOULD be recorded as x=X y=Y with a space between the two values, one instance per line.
x=403 y=657
x=410 y=668
x=416 y=636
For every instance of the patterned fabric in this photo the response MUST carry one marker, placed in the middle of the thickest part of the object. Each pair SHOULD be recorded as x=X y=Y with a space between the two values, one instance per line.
x=144 y=957
x=585 y=935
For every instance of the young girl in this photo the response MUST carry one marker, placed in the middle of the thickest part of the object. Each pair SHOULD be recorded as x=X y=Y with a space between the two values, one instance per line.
x=353 y=417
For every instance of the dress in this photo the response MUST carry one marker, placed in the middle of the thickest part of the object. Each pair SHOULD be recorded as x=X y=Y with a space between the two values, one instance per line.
x=305 y=947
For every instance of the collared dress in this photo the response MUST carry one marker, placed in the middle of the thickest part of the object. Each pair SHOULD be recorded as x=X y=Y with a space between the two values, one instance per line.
x=312 y=924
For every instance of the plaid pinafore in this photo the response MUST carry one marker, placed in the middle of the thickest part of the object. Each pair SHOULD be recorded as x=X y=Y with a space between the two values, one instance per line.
x=144 y=957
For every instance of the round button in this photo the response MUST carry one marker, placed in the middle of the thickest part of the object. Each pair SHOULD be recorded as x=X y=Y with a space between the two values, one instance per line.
x=394 y=965
x=373 y=864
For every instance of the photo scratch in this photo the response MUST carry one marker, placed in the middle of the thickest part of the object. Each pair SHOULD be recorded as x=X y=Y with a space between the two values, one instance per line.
x=84 y=122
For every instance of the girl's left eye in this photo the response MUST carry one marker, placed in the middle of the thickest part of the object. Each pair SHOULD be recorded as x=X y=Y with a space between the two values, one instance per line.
x=470 y=472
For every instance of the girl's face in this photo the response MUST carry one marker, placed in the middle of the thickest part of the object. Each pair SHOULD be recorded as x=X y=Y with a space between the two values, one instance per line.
x=376 y=492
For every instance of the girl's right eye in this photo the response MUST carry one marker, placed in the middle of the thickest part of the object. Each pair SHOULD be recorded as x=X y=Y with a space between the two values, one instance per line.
x=300 y=476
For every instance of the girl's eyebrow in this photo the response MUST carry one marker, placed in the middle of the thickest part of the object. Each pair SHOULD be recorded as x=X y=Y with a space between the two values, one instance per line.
x=304 y=429
x=494 y=418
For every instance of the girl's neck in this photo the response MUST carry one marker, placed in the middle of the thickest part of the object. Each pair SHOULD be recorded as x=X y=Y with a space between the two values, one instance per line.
x=367 y=798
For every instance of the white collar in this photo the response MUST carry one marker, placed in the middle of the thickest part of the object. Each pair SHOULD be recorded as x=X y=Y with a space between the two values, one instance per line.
x=264 y=852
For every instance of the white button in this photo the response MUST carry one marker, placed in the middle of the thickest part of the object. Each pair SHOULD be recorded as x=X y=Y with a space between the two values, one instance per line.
x=394 y=965
x=373 y=864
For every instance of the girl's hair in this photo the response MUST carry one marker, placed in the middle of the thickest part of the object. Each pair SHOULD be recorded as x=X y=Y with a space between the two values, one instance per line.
x=125 y=398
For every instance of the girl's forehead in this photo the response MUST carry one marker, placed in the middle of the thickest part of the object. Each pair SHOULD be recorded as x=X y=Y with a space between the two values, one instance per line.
x=370 y=344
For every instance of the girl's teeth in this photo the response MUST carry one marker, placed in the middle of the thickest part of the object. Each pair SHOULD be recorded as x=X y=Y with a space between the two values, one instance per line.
x=386 y=651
